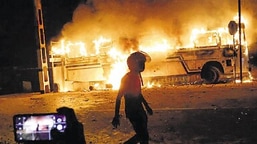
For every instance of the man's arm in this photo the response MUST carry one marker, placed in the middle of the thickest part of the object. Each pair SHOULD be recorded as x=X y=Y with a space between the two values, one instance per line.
x=116 y=118
x=147 y=107
x=117 y=106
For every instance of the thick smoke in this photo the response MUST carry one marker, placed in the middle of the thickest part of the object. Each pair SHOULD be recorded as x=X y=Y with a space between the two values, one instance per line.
x=134 y=19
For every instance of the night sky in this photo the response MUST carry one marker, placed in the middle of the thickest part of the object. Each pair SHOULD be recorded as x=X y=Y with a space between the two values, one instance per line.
x=18 y=37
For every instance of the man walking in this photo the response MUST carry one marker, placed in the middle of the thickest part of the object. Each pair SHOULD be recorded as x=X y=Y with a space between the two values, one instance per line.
x=135 y=103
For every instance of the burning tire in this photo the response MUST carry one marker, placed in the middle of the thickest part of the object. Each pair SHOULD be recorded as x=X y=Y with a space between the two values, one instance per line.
x=211 y=74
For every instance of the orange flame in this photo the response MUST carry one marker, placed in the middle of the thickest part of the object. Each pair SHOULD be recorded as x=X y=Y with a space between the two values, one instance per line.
x=157 y=42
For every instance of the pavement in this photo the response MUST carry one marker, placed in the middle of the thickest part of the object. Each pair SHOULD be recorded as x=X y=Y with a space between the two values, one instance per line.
x=200 y=114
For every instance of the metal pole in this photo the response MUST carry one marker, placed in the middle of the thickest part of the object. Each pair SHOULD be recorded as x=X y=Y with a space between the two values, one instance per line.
x=240 y=47
x=234 y=58
x=43 y=73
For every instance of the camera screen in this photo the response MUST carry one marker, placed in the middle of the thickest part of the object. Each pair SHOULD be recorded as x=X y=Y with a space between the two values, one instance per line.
x=37 y=127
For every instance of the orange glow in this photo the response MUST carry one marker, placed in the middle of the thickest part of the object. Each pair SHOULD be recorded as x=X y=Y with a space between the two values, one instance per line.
x=155 y=43
x=212 y=36
x=99 y=42
x=152 y=84
x=118 y=67
x=69 y=48
x=112 y=55
x=243 y=20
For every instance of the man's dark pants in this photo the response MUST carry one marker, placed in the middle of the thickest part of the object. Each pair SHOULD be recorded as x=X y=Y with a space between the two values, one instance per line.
x=139 y=122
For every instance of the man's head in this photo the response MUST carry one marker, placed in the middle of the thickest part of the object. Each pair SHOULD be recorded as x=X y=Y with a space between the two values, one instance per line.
x=136 y=61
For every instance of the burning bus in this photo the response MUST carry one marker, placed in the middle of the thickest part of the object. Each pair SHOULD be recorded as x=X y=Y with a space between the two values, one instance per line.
x=212 y=57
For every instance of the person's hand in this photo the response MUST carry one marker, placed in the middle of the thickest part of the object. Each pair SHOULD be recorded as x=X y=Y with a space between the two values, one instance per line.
x=149 y=110
x=116 y=121
x=56 y=135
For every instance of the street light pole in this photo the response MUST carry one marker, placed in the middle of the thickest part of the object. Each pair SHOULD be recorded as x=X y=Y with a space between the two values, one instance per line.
x=240 y=47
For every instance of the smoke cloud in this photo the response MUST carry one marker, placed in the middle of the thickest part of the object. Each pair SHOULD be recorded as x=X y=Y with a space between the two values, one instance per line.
x=173 y=19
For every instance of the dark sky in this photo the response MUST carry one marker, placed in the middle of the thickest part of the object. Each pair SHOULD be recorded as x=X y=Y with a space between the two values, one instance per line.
x=18 y=44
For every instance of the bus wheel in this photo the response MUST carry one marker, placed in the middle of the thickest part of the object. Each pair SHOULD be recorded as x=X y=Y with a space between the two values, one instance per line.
x=211 y=74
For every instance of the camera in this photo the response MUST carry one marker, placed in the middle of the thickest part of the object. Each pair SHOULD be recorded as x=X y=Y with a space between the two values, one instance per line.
x=37 y=127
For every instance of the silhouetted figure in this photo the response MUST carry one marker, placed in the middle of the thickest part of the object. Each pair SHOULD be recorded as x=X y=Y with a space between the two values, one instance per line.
x=74 y=132
x=130 y=88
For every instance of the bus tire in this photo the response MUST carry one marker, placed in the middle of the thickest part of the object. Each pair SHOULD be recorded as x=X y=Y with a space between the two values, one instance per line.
x=211 y=75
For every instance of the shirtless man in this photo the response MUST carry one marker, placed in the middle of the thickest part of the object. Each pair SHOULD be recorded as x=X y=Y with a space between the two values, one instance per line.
x=130 y=88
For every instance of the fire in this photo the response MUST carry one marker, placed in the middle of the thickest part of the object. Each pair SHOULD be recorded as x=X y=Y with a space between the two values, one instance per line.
x=226 y=38
x=152 y=84
x=69 y=48
x=98 y=43
x=117 y=58
x=118 y=67
x=243 y=20
x=108 y=54
x=103 y=46
x=156 y=42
